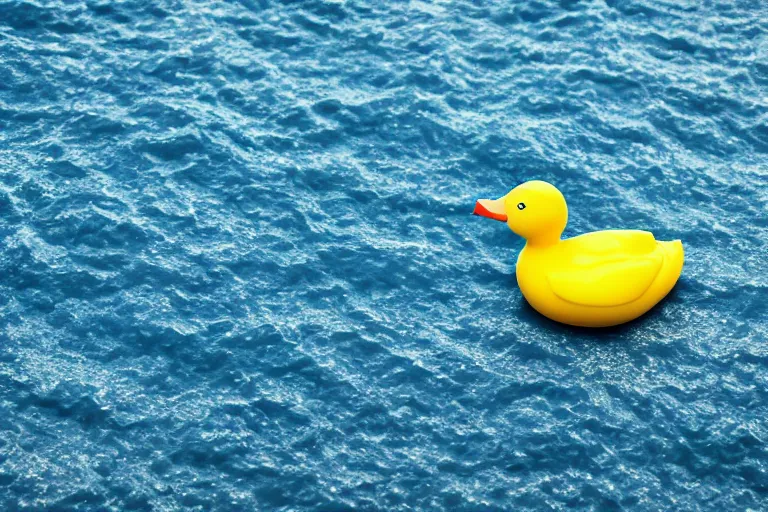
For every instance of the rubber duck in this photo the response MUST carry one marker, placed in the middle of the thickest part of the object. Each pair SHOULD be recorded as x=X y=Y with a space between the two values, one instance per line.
x=597 y=279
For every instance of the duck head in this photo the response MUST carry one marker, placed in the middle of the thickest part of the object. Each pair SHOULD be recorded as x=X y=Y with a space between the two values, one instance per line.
x=535 y=210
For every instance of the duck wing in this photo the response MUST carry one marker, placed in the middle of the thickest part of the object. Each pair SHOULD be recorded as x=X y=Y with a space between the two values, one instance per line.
x=607 y=268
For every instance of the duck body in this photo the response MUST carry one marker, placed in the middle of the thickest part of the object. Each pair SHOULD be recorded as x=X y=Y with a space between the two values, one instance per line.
x=598 y=279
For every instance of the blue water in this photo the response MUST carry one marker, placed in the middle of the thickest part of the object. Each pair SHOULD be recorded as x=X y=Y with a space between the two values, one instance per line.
x=238 y=270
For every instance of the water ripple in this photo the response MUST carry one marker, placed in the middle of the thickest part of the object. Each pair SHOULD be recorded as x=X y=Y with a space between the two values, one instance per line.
x=239 y=270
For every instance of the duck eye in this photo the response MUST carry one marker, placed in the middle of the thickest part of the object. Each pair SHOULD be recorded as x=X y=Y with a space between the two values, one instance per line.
x=521 y=206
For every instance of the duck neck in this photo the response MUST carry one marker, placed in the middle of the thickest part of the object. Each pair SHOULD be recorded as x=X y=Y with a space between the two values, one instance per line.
x=543 y=241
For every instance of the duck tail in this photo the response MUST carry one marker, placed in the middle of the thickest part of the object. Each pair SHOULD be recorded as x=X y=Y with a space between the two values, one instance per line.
x=675 y=254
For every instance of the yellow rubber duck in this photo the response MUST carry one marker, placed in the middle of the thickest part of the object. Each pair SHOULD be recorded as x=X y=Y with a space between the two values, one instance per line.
x=597 y=279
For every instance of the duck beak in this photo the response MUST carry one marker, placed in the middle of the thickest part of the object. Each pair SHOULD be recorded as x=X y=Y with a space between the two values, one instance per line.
x=491 y=208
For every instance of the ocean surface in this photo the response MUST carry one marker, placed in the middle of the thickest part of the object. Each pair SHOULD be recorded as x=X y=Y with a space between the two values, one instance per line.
x=238 y=269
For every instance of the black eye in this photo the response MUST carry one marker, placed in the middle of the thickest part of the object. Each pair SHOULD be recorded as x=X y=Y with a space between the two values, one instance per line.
x=521 y=206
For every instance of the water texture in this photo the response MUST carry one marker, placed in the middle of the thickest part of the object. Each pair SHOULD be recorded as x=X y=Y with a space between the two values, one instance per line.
x=238 y=270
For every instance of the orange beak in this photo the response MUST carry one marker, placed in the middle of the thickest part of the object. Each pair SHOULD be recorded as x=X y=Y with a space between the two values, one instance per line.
x=491 y=208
